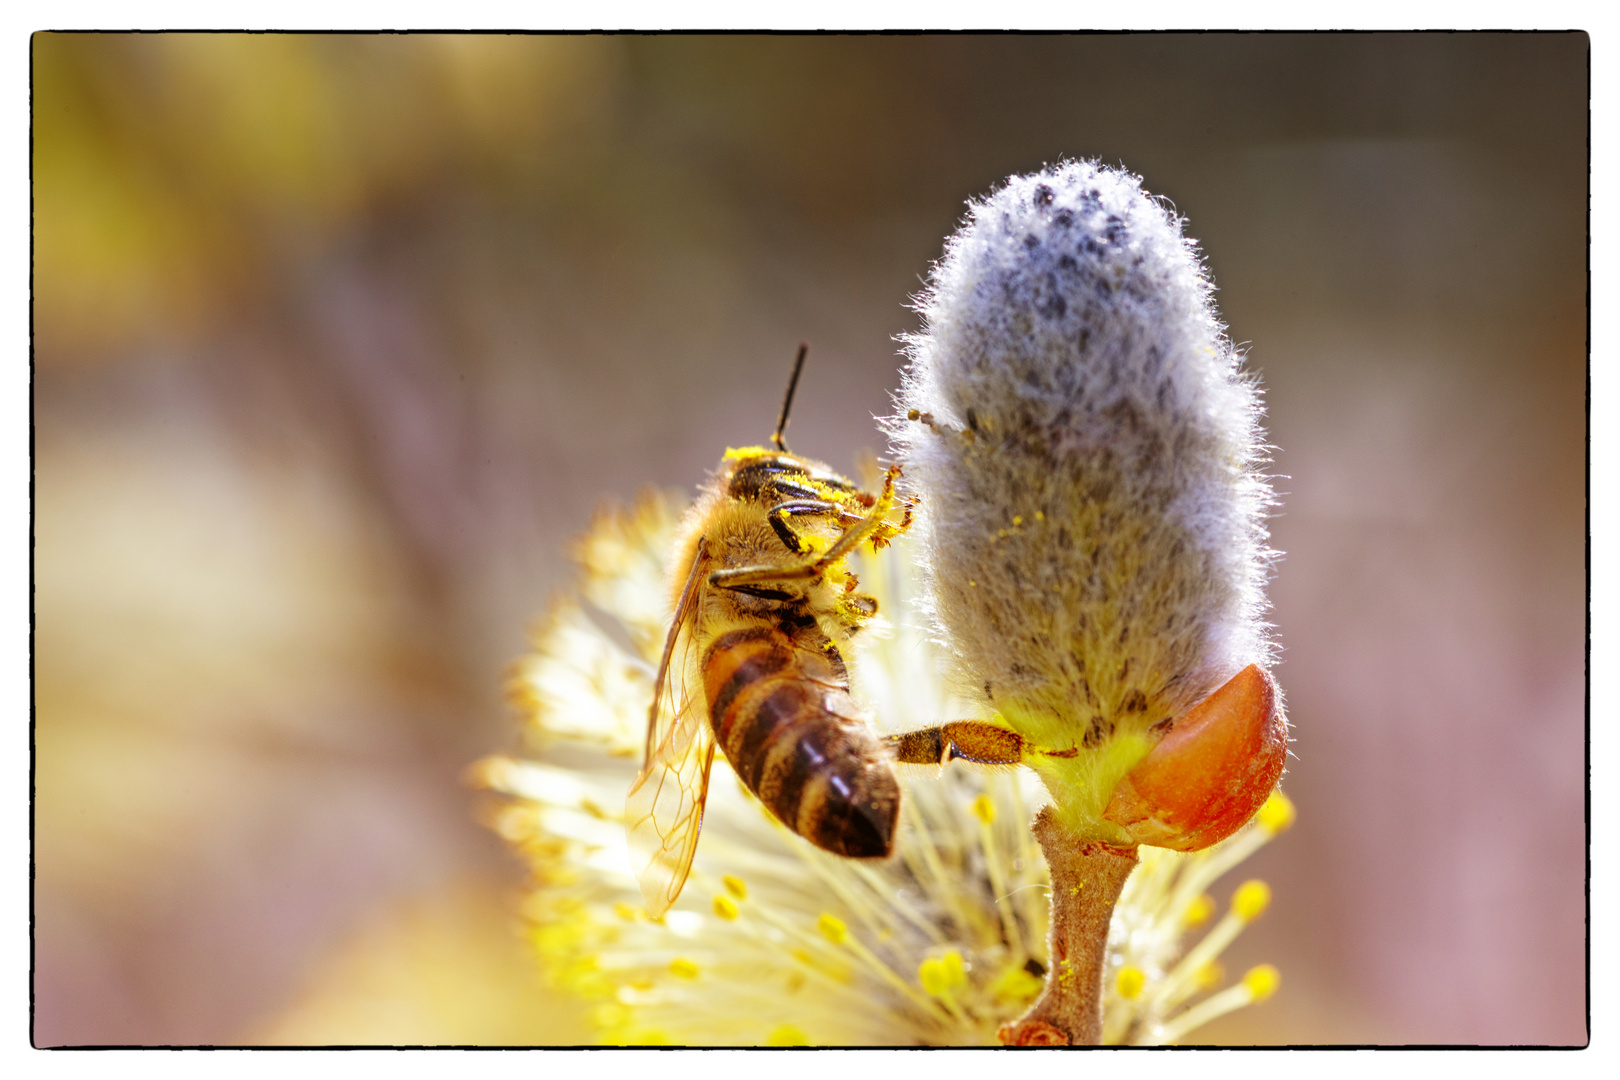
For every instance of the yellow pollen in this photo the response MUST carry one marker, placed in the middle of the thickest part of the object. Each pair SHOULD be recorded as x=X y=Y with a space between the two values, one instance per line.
x=1250 y=900
x=683 y=968
x=725 y=907
x=973 y=584
x=984 y=809
x=1018 y=519
x=1198 y=911
x=1276 y=814
x=735 y=886
x=1262 y=981
x=1129 y=982
x=832 y=928
x=787 y=1035
x=1039 y=516
x=626 y=911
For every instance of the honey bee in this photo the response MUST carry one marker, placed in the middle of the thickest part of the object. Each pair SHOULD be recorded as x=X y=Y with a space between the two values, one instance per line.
x=755 y=663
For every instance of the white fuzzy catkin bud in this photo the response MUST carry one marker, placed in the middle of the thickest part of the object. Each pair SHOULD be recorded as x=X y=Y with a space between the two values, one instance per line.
x=1086 y=449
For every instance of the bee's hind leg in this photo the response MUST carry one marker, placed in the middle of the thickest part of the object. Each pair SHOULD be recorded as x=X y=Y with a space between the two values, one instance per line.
x=969 y=740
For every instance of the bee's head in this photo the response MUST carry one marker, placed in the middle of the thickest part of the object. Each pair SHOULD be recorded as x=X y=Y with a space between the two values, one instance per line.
x=743 y=472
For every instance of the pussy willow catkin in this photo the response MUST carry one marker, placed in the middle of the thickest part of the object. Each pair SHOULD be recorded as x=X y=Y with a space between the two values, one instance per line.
x=1088 y=451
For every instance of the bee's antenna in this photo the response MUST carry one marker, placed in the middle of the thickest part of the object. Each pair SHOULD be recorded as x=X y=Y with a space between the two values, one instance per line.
x=787 y=402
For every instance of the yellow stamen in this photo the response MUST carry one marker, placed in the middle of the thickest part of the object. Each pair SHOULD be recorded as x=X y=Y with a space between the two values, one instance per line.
x=832 y=928
x=1262 y=981
x=736 y=886
x=1199 y=911
x=787 y=1035
x=683 y=968
x=1276 y=814
x=1251 y=900
x=1129 y=982
x=725 y=907
x=984 y=809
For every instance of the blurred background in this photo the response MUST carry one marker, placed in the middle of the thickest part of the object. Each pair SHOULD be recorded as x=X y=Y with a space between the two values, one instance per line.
x=338 y=341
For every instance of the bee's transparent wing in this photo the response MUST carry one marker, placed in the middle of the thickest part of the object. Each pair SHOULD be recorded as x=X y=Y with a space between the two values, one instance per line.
x=663 y=811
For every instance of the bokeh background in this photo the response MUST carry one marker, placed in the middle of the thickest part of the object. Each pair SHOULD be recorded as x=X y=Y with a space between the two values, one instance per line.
x=339 y=341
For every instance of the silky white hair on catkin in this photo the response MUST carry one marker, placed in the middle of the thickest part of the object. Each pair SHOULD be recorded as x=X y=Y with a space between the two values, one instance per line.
x=1087 y=450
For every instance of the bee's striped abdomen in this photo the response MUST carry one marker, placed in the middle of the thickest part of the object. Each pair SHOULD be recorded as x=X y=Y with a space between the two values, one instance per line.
x=783 y=714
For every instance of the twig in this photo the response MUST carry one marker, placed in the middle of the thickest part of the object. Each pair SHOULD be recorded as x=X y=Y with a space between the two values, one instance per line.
x=1087 y=877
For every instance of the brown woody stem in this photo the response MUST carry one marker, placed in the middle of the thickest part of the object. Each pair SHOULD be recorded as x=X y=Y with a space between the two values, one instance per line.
x=1087 y=877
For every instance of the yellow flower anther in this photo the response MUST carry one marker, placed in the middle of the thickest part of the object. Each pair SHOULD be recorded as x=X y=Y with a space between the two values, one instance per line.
x=832 y=928
x=1276 y=813
x=683 y=968
x=1251 y=900
x=1262 y=982
x=1210 y=975
x=984 y=809
x=736 y=886
x=939 y=975
x=787 y=1035
x=1198 y=911
x=1129 y=983
x=725 y=907
x=627 y=912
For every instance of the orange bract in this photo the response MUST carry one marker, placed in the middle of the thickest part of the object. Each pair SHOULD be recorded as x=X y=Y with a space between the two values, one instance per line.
x=1209 y=775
